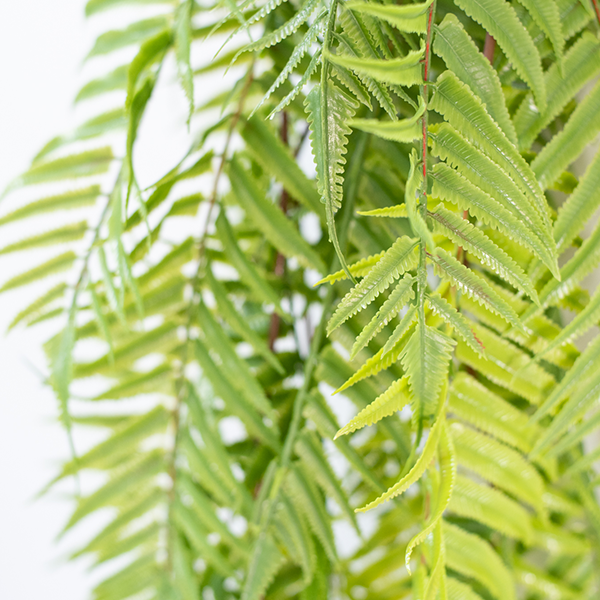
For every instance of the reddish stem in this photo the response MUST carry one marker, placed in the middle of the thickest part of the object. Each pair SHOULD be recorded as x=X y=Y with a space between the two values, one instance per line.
x=489 y=47
x=597 y=9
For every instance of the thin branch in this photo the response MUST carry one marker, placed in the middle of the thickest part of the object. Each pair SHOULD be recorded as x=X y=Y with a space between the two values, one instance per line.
x=180 y=386
x=489 y=47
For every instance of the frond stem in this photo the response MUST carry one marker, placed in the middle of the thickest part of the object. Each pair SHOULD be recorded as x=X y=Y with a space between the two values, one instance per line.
x=422 y=271
x=180 y=387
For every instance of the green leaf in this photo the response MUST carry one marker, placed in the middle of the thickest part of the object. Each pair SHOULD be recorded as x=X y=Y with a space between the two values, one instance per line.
x=456 y=320
x=473 y=240
x=244 y=267
x=281 y=33
x=579 y=402
x=329 y=109
x=564 y=147
x=396 y=261
x=498 y=17
x=579 y=207
x=55 y=265
x=112 y=81
x=234 y=368
x=547 y=16
x=584 y=366
x=410 y=18
x=400 y=295
x=450 y=185
x=305 y=497
x=33 y=310
x=475 y=287
x=314 y=31
x=84 y=164
x=62 y=235
x=394 y=399
x=125 y=441
x=420 y=465
x=507 y=365
x=447 y=470
x=499 y=464
x=69 y=200
x=276 y=159
x=123 y=483
x=463 y=58
x=426 y=360
x=360 y=268
x=183 y=42
x=465 y=112
x=491 y=508
x=230 y=314
x=581 y=64
x=477 y=405
x=398 y=334
x=308 y=448
x=133 y=34
x=405 y=71
x=473 y=557
x=190 y=525
x=269 y=219
x=229 y=394
x=404 y=130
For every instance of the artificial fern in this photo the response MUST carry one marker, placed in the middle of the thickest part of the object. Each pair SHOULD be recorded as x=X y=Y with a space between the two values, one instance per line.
x=386 y=214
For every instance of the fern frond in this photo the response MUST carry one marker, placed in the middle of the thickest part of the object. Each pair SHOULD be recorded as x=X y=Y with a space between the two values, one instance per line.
x=491 y=508
x=450 y=185
x=403 y=131
x=547 y=16
x=581 y=128
x=59 y=263
x=580 y=66
x=360 y=268
x=394 y=399
x=420 y=465
x=497 y=463
x=426 y=360
x=499 y=18
x=461 y=55
x=296 y=57
x=398 y=259
x=405 y=71
x=456 y=320
x=409 y=18
x=475 y=287
x=329 y=109
x=470 y=555
x=281 y=33
x=400 y=295
x=459 y=105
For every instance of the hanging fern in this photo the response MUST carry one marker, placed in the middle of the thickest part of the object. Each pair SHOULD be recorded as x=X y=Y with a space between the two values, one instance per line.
x=446 y=229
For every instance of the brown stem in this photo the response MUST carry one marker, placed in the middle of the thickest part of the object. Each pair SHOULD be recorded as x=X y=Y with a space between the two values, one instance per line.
x=489 y=47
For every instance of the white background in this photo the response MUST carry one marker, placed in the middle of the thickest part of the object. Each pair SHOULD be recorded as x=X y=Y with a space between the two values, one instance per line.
x=42 y=47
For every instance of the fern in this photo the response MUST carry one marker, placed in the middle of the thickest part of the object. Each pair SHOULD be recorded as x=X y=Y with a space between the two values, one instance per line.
x=444 y=185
